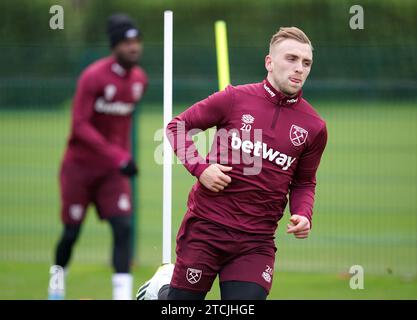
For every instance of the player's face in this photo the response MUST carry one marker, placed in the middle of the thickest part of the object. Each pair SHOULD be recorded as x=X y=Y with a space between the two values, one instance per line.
x=289 y=64
x=128 y=52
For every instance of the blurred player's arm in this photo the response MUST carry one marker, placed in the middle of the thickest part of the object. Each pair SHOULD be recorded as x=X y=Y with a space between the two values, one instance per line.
x=302 y=188
x=84 y=131
x=212 y=111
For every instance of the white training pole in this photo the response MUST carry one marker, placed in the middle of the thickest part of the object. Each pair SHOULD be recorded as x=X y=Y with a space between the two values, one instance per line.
x=167 y=175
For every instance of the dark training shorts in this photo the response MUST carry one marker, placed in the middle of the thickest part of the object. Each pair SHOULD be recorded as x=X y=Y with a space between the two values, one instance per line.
x=81 y=185
x=205 y=250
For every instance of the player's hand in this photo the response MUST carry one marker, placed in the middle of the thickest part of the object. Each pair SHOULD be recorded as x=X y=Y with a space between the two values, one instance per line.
x=214 y=179
x=300 y=226
x=129 y=168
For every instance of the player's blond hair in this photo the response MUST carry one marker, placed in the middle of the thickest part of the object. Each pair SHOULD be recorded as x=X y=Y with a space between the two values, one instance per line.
x=289 y=33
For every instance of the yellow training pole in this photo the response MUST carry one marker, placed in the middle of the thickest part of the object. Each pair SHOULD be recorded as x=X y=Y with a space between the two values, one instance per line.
x=222 y=54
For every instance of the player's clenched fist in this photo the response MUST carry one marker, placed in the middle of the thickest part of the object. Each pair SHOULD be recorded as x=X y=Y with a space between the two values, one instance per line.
x=214 y=178
x=300 y=226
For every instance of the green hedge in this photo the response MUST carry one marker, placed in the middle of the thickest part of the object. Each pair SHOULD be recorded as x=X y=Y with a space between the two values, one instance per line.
x=39 y=66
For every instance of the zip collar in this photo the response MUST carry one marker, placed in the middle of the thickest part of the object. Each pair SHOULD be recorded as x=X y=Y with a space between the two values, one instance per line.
x=118 y=69
x=277 y=97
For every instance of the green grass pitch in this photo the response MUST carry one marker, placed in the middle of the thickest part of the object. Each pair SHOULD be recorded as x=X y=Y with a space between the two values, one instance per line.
x=365 y=213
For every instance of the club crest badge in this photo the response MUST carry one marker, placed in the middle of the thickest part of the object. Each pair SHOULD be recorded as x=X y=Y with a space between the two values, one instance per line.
x=298 y=135
x=194 y=275
x=124 y=202
x=110 y=92
x=137 y=90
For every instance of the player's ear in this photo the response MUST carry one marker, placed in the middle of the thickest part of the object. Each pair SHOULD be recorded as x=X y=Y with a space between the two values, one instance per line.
x=268 y=63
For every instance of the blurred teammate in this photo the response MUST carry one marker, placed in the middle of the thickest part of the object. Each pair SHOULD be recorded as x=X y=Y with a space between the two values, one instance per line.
x=98 y=161
x=268 y=145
